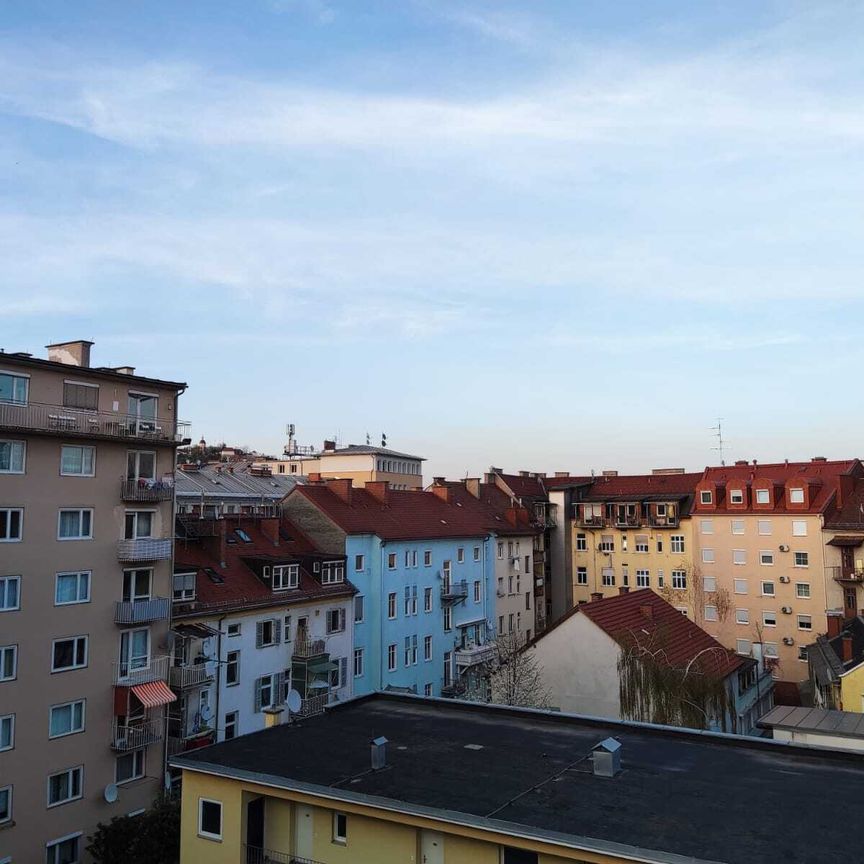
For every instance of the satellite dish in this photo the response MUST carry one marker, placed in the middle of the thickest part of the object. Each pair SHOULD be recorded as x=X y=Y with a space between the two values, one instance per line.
x=110 y=793
x=294 y=702
x=206 y=713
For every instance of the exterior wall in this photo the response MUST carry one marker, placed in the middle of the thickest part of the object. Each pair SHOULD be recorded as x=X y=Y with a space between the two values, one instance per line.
x=844 y=589
x=374 y=836
x=361 y=468
x=817 y=739
x=560 y=596
x=852 y=690
x=514 y=591
x=42 y=492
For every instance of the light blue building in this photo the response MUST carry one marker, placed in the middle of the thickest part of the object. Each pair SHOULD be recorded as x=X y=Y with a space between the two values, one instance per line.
x=424 y=570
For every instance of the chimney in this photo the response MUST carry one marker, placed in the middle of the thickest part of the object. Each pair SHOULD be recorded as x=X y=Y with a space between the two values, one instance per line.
x=562 y=473
x=610 y=473
x=329 y=446
x=314 y=477
x=662 y=471
x=342 y=488
x=819 y=459
x=379 y=490
x=846 y=648
x=125 y=370
x=647 y=612
x=596 y=595
x=524 y=473
x=379 y=753
x=441 y=491
x=272 y=716
x=270 y=529
x=472 y=486
x=623 y=590
x=741 y=462
x=71 y=353
x=835 y=624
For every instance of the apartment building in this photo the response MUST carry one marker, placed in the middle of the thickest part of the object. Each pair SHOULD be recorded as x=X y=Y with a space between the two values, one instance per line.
x=86 y=513
x=634 y=532
x=258 y=612
x=843 y=542
x=447 y=781
x=760 y=533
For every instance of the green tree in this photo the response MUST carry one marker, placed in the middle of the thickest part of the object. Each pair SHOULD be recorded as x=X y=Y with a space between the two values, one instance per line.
x=152 y=837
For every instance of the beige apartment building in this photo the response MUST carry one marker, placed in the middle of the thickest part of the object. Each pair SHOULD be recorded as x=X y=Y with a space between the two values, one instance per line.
x=759 y=532
x=86 y=539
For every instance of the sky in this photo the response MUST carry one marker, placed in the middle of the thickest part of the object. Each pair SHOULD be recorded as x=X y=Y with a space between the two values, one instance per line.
x=546 y=235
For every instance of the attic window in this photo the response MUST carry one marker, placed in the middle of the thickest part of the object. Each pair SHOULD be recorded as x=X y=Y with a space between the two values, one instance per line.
x=736 y=496
x=796 y=496
x=242 y=535
x=213 y=576
x=705 y=496
x=763 y=496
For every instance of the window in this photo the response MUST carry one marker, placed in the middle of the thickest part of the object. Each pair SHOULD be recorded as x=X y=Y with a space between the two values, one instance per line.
x=742 y=646
x=427 y=647
x=764 y=527
x=10 y=593
x=796 y=496
x=66 y=719
x=802 y=653
x=410 y=599
x=136 y=585
x=12 y=456
x=518 y=856
x=69 y=654
x=77 y=461
x=232 y=668
x=763 y=496
x=267 y=691
x=7 y=732
x=11 y=519
x=706 y=497
x=268 y=632
x=677 y=541
x=358 y=662
x=770 y=649
x=184 y=586
x=799 y=528
x=65 y=851
x=5 y=804
x=643 y=579
x=358 y=608
x=140 y=465
x=427 y=558
x=427 y=599
x=427 y=689
x=805 y=622
x=707 y=556
x=230 y=725
x=802 y=559
x=679 y=579
x=607 y=543
x=411 y=650
x=286 y=625
x=710 y=613
x=736 y=496
x=129 y=766
x=209 y=819
x=134 y=650
x=332 y=572
x=767 y=589
x=391 y=658
x=286 y=576
x=706 y=526
x=359 y=563
x=75 y=525
x=13 y=388
x=448 y=619
x=766 y=558
x=335 y=620
x=739 y=556
x=737 y=526
x=233 y=629
x=709 y=584
x=391 y=561
x=139 y=524
x=769 y=619
x=740 y=586
x=460 y=555
x=641 y=543
x=77 y=395
x=581 y=575
x=391 y=605
x=340 y=828
x=65 y=786
x=477 y=594
x=607 y=577
x=802 y=590
x=8 y=662
x=581 y=543
x=476 y=553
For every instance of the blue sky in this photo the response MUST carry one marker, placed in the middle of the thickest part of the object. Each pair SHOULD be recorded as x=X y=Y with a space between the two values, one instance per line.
x=550 y=235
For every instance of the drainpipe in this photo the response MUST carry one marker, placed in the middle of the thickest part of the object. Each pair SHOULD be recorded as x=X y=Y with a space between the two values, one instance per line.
x=218 y=673
x=381 y=617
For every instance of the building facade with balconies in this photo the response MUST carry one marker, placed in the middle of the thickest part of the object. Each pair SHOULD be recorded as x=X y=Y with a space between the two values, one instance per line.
x=86 y=501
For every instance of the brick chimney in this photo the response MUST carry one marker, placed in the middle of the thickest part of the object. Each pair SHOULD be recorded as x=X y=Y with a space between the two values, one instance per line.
x=846 y=648
x=472 y=485
x=835 y=624
x=562 y=473
x=596 y=595
x=343 y=488
x=270 y=529
x=623 y=590
x=72 y=353
x=314 y=477
x=379 y=490
x=646 y=612
x=440 y=489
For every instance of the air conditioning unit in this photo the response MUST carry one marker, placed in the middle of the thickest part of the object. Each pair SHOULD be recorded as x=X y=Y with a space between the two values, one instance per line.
x=786 y=610
x=788 y=640
x=784 y=547
x=784 y=580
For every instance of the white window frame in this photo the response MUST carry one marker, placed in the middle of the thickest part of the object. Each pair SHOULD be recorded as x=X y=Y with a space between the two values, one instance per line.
x=20 y=512
x=769 y=618
x=772 y=592
x=340 y=839
x=359 y=563
x=712 y=615
x=21 y=376
x=581 y=575
x=706 y=580
x=706 y=496
x=5 y=581
x=14 y=650
x=232 y=663
x=332 y=572
x=679 y=579
x=736 y=585
x=233 y=630
x=739 y=557
x=800 y=596
x=51 y=846
x=69 y=772
x=737 y=524
x=288 y=576
x=391 y=657
x=476 y=553
x=795 y=559
x=137 y=772
x=643 y=578
x=135 y=514
x=708 y=556
x=677 y=540
x=82 y=472
x=763 y=494
x=23 y=450
x=796 y=495
x=207 y=835
x=10 y=719
x=762 y=524
x=736 y=496
x=392 y=604
x=75 y=665
x=799 y=527
x=706 y=526
x=78 y=574
x=427 y=557
x=71 y=705
x=809 y=626
x=766 y=558
x=80 y=511
x=391 y=561
x=358 y=662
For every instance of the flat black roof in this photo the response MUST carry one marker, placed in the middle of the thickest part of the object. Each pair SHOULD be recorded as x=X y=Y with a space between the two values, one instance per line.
x=701 y=796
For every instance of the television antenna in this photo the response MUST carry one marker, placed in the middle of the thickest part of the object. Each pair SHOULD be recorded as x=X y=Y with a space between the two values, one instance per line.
x=718 y=434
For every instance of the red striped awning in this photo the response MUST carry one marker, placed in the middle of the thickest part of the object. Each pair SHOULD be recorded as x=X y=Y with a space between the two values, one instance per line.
x=153 y=694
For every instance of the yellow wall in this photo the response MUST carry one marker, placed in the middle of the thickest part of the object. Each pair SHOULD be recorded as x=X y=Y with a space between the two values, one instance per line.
x=852 y=690
x=374 y=836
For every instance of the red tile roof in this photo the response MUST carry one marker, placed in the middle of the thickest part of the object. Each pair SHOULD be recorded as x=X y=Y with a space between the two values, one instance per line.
x=641 y=486
x=850 y=514
x=525 y=487
x=495 y=507
x=564 y=482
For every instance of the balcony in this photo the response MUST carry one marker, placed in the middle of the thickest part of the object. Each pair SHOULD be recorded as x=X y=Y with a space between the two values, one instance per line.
x=845 y=574
x=184 y=677
x=305 y=648
x=136 y=735
x=192 y=526
x=141 y=611
x=126 y=676
x=256 y=855
x=78 y=422
x=454 y=592
x=145 y=549
x=591 y=521
x=663 y=521
x=146 y=490
x=314 y=705
x=625 y=522
x=474 y=655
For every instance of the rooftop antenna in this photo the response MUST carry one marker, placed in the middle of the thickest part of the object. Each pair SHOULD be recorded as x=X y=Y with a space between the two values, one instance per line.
x=290 y=430
x=383 y=439
x=718 y=434
x=368 y=439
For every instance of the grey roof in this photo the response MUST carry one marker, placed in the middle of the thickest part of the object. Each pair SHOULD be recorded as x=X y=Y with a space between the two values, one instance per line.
x=847 y=724
x=700 y=796
x=825 y=665
x=367 y=449
x=223 y=485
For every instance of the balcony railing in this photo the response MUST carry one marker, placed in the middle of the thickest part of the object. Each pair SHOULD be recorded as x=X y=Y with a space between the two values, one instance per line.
x=183 y=677
x=476 y=654
x=141 y=611
x=135 y=735
x=127 y=676
x=845 y=574
x=453 y=592
x=191 y=525
x=663 y=521
x=256 y=855
x=314 y=705
x=628 y=522
x=591 y=521
x=144 y=549
x=146 y=490
x=71 y=422
x=304 y=648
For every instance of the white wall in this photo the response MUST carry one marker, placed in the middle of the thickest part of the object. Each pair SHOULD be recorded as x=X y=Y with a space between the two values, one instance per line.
x=815 y=739
x=579 y=663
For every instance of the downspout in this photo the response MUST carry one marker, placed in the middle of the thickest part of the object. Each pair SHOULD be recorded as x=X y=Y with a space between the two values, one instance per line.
x=218 y=674
x=381 y=616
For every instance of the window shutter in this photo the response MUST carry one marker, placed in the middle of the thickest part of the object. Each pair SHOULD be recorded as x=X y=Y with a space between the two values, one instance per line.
x=277 y=631
x=259 y=638
x=278 y=688
x=258 y=689
x=341 y=619
x=343 y=671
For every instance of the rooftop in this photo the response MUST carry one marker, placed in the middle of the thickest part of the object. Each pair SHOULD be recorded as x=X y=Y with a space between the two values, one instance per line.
x=825 y=655
x=846 y=724
x=642 y=487
x=367 y=449
x=228 y=481
x=702 y=796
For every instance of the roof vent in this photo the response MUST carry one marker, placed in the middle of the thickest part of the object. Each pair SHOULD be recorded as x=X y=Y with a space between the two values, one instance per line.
x=741 y=462
x=819 y=459
x=379 y=753
x=607 y=758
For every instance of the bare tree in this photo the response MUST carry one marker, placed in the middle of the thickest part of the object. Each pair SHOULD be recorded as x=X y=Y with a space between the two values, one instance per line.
x=695 y=597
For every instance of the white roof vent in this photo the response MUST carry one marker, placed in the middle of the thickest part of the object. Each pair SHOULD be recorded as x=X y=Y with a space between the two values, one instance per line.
x=607 y=758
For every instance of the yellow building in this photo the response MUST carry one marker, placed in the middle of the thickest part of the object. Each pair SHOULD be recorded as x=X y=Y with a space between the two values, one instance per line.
x=394 y=779
x=635 y=532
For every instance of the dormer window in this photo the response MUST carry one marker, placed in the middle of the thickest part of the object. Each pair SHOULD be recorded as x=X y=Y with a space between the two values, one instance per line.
x=763 y=496
x=286 y=576
x=736 y=496
x=706 y=496
x=332 y=572
x=796 y=496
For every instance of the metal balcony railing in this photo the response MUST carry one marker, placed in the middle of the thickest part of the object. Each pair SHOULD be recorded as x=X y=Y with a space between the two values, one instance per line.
x=195 y=675
x=474 y=655
x=314 y=704
x=73 y=422
x=145 y=549
x=256 y=855
x=141 y=611
x=591 y=521
x=304 y=648
x=845 y=574
x=135 y=735
x=452 y=592
x=146 y=490
x=128 y=675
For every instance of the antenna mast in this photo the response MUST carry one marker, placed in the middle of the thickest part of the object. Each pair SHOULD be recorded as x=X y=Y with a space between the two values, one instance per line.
x=718 y=434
